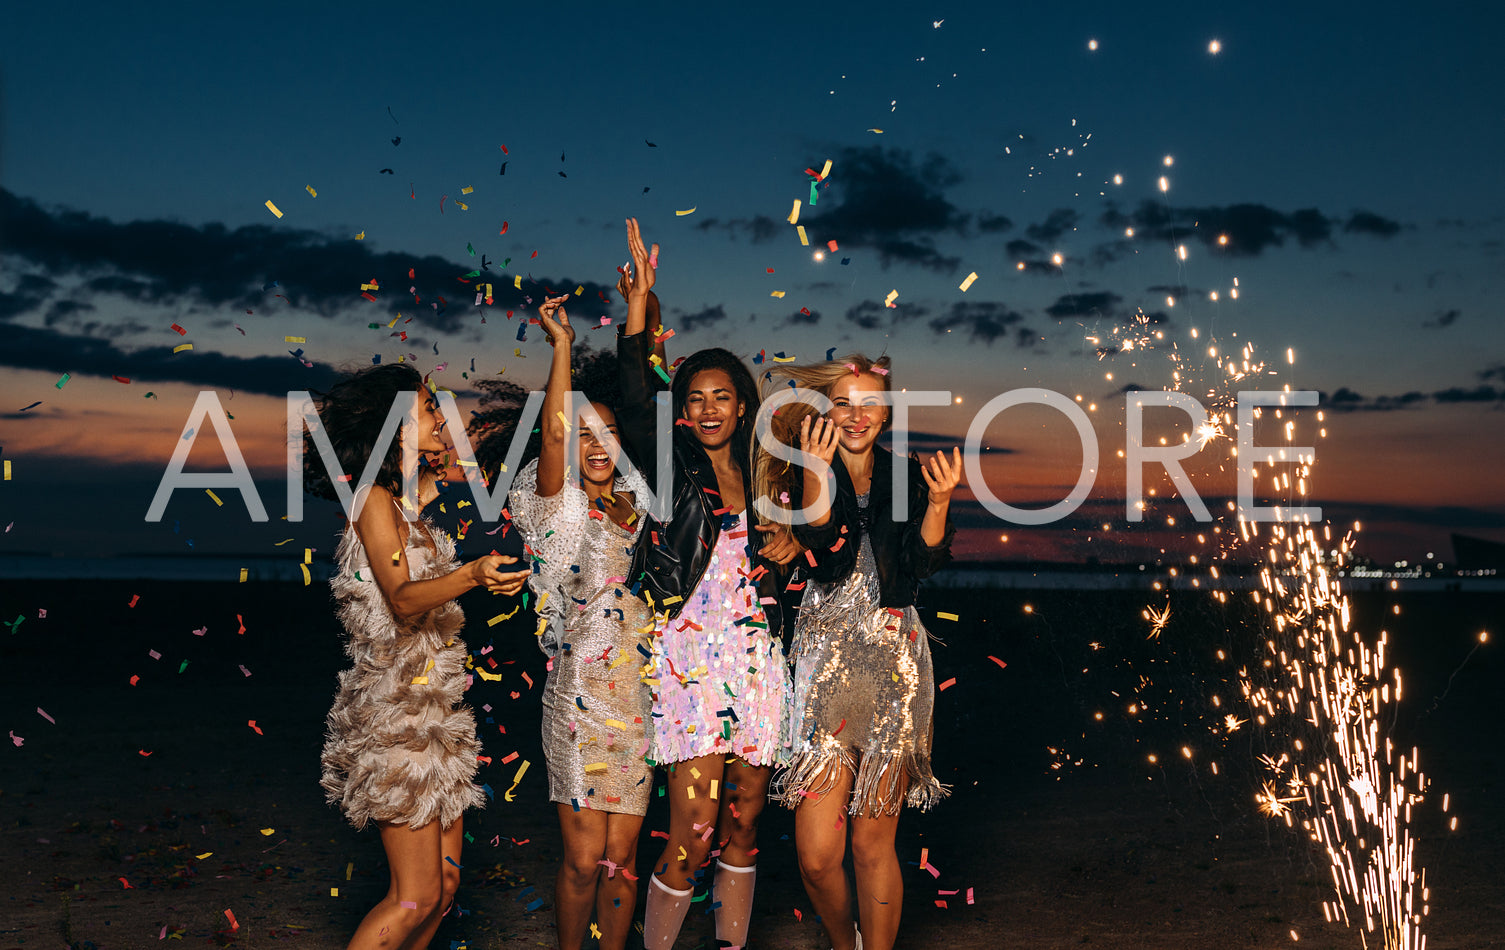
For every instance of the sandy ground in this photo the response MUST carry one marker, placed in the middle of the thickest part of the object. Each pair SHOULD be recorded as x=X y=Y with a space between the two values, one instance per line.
x=1058 y=828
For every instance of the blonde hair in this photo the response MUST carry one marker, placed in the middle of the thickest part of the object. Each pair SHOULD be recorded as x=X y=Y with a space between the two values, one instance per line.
x=773 y=477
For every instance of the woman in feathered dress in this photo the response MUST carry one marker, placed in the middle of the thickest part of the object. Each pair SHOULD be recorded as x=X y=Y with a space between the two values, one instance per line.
x=400 y=748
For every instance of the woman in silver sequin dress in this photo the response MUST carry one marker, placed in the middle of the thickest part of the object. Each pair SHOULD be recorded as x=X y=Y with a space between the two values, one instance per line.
x=400 y=747
x=864 y=689
x=579 y=531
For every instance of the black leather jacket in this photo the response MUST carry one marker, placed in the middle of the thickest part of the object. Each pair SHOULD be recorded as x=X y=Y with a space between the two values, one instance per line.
x=902 y=557
x=673 y=567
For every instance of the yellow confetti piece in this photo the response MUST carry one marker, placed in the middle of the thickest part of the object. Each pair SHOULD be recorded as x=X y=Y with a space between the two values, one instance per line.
x=204 y=855
x=467 y=189
x=941 y=614
x=617 y=723
x=666 y=601
x=966 y=284
x=488 y=677
x=825 y=170
x=278 y=544
x=462 y=206
x=349 y=869
x=689 y=791
x=876 y=131
x=517 y=281
x=372 y=286
x=361 y=236
x=420 y=681
x=268 y=832
x=394 y=321
x=579 y=290
x=595 y=767
x=7 y=469
x=694 y=773
x=295 y=339
x=804 y=238
x=794 y=216
x=243 y=575
x=784 y=359
x=214 y=498
x=307 y=578
x=273 y=208
x=595 y=931
x=308 y=555
x=681 y=214
x=181 y=347
x=776 y=293
x=310 y=190
x=889 y=300
x=516 y=780
x=334 y=892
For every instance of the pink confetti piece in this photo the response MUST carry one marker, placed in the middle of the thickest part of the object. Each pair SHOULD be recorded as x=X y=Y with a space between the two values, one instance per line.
x=201 y=631
x=969 y=896
x=243 y=669
x=43 y=713
x=154 y=654
x=16 y=740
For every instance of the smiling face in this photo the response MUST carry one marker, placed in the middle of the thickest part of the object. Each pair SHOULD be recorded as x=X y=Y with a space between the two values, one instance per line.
x=597 y=463
x=713 y=408
x=857 y=409
x=430 y=423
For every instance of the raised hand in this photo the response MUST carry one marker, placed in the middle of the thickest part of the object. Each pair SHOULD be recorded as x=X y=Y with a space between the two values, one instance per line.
x=555 y=322
x=779 y=545
x=644 y=262
x=942 y=475
x=819 y=436
x=488 y=574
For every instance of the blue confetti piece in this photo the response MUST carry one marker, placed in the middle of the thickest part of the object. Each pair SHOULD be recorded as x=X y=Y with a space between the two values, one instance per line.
x=831 y=354
x=487 y=789
x=534 y=904
x=375 y=358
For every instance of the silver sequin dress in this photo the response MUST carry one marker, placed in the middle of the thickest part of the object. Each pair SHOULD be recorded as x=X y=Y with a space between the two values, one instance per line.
x=864 y=695
x=595 y=705
x=399 y=745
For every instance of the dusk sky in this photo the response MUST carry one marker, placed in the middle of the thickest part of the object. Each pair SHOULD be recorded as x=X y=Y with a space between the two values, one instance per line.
x=1331 y=187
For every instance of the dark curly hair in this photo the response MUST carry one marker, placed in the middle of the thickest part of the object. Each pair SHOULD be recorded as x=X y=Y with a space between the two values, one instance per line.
x=742 y=381
x=352 y=412
x=491 y=427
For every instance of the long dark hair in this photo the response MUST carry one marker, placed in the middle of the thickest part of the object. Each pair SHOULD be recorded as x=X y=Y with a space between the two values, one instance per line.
x=352 y=412
x=742 y=381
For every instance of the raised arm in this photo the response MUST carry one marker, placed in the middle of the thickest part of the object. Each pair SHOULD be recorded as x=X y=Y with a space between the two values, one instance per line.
x=554 y=458
x=644 y=275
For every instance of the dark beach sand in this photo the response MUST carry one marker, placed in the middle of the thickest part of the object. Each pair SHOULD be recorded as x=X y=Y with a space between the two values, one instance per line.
x=1087 y=845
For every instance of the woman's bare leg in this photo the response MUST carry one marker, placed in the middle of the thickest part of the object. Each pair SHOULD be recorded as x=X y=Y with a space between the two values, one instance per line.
x=820 y=838
x=692 y=813
x=584 y=833
x=450 y=841
x=743 y=797
x=880 y=883
x=415 y=891
x=617 y=890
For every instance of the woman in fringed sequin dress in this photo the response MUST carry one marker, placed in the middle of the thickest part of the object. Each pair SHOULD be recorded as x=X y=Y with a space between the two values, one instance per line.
x=400 y=748
x=864 y=688
x=579 y=527
x=719 y=679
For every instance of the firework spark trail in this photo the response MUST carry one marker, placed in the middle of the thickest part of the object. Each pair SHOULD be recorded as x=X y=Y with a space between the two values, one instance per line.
x=1330 y=687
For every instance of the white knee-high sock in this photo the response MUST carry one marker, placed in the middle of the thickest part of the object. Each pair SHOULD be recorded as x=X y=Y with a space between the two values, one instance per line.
x=665 y=914
x=733 y=890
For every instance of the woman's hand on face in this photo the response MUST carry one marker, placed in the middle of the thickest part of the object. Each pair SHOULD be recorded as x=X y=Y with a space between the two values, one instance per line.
x=819 y=436
x=488 y=574
x=644 y=262
x=779 y=545
x=942 y=476
x=556 y=323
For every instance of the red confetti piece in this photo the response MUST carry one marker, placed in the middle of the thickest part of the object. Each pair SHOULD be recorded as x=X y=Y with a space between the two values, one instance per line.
x=509 y=758
x=252 y=724
x=128 y=885
x=135 y=680
x=1001 y=665
x=122 y=379
x=134 y=599
x=947 y=685
x=181 y=331
x=234 y=925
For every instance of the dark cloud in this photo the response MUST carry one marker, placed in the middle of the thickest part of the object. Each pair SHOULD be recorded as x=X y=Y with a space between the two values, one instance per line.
x=1178 y=291
x=1445 y=318
x=922 y=441
x=1481 y=393
x=1240 y=229
x=700 y=318
x=164 y=262
x=1057 y=223
x=989 y=223
x=1022 y=248
x=1367 y=222
x=1098 y=304
x=1494 y=372
x=882 y=199
x=983 y=321
x=870 y=315
x=46 y=349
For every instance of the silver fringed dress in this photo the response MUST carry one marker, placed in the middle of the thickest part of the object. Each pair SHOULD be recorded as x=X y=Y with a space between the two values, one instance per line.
x=864 y=695
x=399 y=745
x=595 y=705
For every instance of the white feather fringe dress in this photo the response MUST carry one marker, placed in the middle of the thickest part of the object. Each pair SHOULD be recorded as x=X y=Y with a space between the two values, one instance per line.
x=399 y=745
